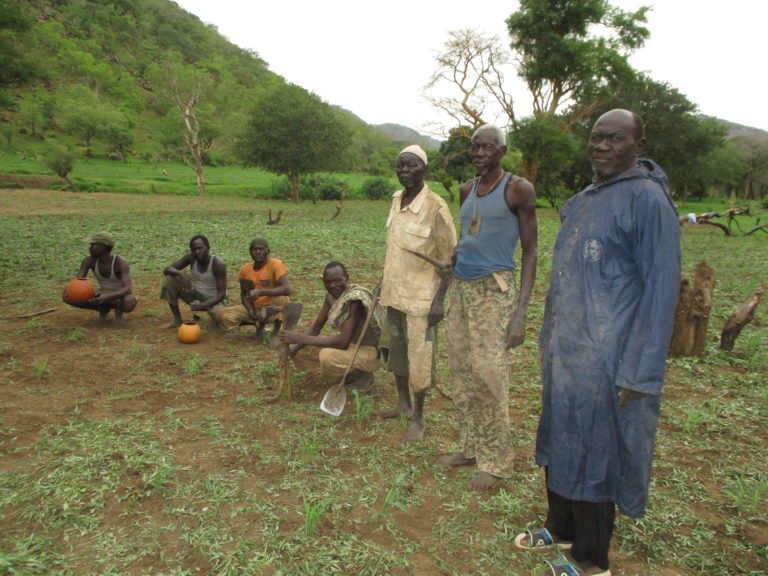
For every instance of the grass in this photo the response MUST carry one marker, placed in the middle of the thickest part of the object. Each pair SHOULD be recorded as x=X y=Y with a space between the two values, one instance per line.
x=172 y=463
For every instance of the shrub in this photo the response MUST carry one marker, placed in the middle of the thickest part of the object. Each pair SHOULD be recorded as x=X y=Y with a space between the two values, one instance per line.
x=61 y=161
x=377 y=188
x=281 y=188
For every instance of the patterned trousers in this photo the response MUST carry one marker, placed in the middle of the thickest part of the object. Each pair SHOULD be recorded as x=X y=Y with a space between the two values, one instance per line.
x=478 y=313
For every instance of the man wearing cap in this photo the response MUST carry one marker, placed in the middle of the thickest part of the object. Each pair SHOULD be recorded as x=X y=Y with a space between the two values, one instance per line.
x=114 y=276
x=204 y=287
x=419 y=223
x=264 y=290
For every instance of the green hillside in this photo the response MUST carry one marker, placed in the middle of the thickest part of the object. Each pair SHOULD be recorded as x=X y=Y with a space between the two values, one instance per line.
x=98 y=76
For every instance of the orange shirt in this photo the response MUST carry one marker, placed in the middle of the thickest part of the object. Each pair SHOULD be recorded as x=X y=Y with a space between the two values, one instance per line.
x=266 y=277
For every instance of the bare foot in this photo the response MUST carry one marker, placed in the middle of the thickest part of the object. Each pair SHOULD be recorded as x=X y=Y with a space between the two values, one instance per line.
x=395 y=412
x=118 y=314
x=457 y=459
x=172 y=324
x=414 y=433
x=484 y=481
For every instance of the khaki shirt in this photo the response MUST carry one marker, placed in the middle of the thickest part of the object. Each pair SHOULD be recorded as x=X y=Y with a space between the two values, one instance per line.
x=424 y=226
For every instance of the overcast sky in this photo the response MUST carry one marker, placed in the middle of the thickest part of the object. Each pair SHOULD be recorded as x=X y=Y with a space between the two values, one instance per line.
x=373 y=58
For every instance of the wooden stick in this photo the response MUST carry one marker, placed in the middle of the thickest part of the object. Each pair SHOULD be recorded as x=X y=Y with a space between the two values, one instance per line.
x=40 y=313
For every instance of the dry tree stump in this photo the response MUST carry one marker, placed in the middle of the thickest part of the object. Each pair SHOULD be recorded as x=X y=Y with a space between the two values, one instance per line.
x=739 y=319
x=692 y=313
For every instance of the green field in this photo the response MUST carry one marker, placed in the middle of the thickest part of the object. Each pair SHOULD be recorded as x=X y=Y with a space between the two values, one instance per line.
x=126 y=452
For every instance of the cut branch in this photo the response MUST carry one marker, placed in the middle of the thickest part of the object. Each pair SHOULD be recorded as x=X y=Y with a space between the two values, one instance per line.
x=739 y=319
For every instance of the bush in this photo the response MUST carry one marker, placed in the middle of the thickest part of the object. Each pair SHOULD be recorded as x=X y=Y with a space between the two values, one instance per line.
x=281 y=188
x=61 y=161
x=320 y=187
x=377 y=188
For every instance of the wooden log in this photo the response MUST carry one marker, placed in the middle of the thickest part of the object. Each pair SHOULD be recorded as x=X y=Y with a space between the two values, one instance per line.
x=276 y=220
x=739 y=319
x=692 y=313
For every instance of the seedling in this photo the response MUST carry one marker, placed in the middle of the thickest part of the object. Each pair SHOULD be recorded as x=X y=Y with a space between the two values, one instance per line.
x=313 y=511
x=41 y=368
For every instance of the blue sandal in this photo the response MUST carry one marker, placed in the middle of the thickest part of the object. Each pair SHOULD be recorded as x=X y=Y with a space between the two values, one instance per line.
x=538 y=539
x=561 y=566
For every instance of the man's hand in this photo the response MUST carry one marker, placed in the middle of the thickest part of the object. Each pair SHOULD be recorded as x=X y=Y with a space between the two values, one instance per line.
x=196 y=306
x=98 y=299
x=515 y=332
x=289 y=337
x=253 y=294
x=436 y=312
x=627 y=395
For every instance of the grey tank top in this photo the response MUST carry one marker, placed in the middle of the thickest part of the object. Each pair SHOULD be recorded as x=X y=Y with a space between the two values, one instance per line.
x=204 y=282
x=109 y=283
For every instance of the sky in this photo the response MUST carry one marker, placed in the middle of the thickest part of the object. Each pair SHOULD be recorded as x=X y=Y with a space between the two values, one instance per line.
x=373 y=58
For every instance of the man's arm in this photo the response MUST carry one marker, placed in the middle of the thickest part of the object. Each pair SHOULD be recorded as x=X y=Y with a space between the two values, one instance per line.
x=177 y=269
x=521 y=199
x=341 y=341
x=82 y=272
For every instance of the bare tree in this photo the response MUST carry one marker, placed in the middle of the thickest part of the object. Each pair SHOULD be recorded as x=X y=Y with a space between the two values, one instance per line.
x=186 y=101
x=469 y=80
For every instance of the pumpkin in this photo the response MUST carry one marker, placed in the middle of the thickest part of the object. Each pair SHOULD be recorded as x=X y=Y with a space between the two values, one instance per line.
x=189 y=332
x=80 y=290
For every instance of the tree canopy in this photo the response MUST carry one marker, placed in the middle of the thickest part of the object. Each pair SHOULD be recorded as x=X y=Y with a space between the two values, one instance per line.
x=293 y=132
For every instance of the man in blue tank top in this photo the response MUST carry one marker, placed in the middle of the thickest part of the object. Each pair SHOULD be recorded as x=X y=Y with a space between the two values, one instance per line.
x=486 y=314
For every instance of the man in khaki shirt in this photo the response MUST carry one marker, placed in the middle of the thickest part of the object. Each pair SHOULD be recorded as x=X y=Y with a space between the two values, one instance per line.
x=419 y=221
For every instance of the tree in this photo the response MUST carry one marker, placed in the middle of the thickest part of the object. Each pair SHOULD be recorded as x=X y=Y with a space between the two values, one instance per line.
x=754 y=150
x=185 y=86
x=61 y=160
x=15 y=67
x=544 y=136
x=684 y=144
x=293 y=132
x=89 y=117
x=473 y=65
x=571 y=54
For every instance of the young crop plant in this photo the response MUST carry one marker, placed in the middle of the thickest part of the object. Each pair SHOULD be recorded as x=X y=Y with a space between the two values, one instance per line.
x=313 y=511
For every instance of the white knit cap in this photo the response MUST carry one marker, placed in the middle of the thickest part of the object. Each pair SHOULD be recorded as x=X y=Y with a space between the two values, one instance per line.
x=416 y=150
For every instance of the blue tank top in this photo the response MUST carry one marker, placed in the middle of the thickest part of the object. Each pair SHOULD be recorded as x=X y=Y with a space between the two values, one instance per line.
x=493 y=248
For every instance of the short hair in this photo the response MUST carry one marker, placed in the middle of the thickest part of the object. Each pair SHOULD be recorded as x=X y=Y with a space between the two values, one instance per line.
x=334 y=264
x=498 y=133
x=202 y=238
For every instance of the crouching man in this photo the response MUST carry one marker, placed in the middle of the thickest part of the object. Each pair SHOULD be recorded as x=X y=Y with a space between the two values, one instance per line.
x=345 y=307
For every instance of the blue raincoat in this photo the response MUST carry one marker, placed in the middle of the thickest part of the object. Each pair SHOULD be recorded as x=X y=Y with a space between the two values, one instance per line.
x=607 y=325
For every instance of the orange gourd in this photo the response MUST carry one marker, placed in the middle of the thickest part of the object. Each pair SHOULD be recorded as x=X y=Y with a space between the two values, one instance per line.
x=189 y=332
x=80 y=290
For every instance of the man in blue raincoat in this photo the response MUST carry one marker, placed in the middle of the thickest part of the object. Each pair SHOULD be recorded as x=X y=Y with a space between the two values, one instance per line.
x=607 y=325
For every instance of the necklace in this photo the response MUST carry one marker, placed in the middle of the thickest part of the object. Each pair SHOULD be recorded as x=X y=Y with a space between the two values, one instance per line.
x=493 y=186
x=474 y=225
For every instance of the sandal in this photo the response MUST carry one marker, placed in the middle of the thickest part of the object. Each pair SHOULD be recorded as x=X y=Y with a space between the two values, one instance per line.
x=561 y=566
x=538 y=539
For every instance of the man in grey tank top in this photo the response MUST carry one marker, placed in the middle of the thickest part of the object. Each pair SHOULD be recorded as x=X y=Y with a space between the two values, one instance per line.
x=486 y=314
x=113 y=274
x=204 y=287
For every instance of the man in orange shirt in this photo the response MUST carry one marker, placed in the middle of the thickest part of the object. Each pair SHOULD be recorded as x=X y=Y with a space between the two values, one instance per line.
x=264 y=290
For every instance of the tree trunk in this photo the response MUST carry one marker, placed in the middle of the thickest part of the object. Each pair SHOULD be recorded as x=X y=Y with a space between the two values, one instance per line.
x=294 y=178
x=692 y=313
x=739 y=319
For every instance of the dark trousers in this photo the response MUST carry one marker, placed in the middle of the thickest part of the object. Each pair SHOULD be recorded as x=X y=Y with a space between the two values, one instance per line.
x=589 y=525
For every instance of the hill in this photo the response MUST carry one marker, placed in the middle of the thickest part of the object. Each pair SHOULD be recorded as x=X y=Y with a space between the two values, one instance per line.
x=111 y=78
x=404 y=135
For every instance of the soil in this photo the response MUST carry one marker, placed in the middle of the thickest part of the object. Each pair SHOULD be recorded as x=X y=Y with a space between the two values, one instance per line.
x=150 y=360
